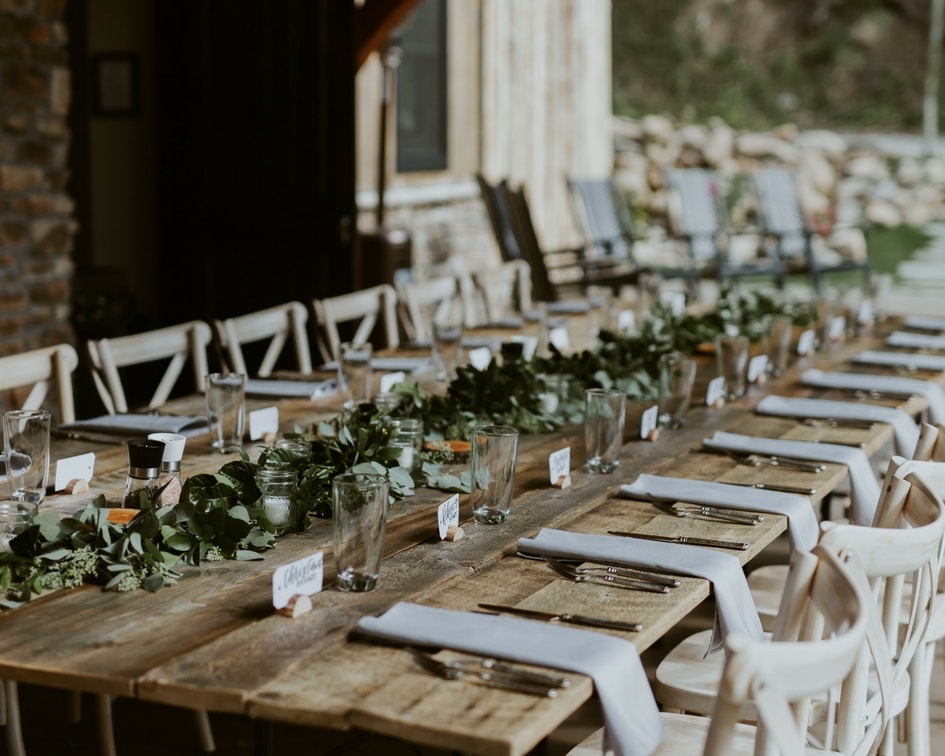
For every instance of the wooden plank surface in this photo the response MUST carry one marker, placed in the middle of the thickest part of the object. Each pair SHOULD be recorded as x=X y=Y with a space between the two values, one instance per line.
x=213 y=641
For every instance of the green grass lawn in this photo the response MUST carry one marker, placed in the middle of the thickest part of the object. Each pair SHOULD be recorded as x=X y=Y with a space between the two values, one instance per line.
x=890 y=246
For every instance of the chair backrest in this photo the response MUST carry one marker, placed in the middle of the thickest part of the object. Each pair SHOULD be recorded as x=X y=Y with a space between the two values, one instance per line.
x=602 y=216
x=38 y=370
x=543 y=289
x=780 y=210
x=421 y=299
x=496 y=201
x=904 y=543
x=177 y=343
x=695 y=204
x=503 y=289
x=277 y=324
x=366 y=307
x=780 y=677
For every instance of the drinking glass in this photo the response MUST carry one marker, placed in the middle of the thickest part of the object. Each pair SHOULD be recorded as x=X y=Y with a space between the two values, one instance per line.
x=731 y=354
x=226 y=410
x=677 y=375
x=26 y=445
x=447 y=338
x=604 y=417
x=359 y=516
x=354 y=370
x=494 y=449
x=779 y=344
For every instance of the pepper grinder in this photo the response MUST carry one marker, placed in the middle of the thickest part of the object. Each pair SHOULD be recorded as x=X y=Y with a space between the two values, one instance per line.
x=144 y=467
x=170 y=480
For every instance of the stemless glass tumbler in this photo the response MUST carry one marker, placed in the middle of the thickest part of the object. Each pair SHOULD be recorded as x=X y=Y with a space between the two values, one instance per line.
x=494 y=449
x=359 y=516
x=604 y=417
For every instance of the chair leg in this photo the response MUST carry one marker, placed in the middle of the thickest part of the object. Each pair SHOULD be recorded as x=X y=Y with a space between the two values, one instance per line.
x=74 y=707
x=11 y=696
x=204 y=732
x=106 y=732
x=917 y=735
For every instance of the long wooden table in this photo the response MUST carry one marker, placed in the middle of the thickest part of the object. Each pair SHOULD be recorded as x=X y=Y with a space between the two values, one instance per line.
x=214 y=642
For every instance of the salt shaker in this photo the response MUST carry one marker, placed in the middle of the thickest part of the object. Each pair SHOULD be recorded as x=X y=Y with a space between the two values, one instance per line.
x=169 y=477
x=144 y=467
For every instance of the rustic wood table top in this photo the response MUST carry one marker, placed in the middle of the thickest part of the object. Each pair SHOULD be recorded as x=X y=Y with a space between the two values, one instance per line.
x=214 y=641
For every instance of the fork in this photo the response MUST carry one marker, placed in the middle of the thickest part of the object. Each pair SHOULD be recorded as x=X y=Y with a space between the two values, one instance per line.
x=498 y=676
x=680 y=509
x=775 y=461
x=634 y=584
x=620 y=572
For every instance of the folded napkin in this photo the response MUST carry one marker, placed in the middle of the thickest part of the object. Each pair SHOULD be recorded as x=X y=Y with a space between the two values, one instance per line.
x=574 y=307
x=509 y=321
x=905 y=430
x=802 y=523
x=735 y=609
x=933 y=392
x=915 y=340
x=864 y=487
x=925 y=323
x=630 y=712
x=392 y=364
x=920 y=360
x=130 y=424
x=282 y=388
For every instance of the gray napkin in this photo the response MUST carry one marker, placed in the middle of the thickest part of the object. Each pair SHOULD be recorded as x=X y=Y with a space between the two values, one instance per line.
x=735 y=609
x=630 y=712
x=905 y=430
x=286 y=388
x=925 y=323
x=915 y=340
x=802 y=522
x=864 y=487
x=917 y=360
x=932 y=391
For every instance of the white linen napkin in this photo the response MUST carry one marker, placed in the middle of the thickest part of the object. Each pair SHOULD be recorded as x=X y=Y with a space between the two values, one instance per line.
x=287 y=388
x=129 y=423
x=630 y=712
x=864 y=487
x=925 y=323
x=905 y=429
x=932 y=391
x=802 y=522
x=918 y=360
x=915 y=340
x=735 y=609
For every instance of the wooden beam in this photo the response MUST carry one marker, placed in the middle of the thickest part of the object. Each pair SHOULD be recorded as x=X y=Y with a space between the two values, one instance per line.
x=375 y=20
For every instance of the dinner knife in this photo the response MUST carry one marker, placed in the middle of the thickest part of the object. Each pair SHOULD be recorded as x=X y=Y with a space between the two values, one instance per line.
x=777 y=487
x=690 y=540
x=572 y=619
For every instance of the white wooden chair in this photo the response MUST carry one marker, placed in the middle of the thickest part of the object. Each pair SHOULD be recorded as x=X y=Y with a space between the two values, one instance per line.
x=277 y=324
x=36 y=372
x=366 y=307
x=176 y=344
x=420 y=300
x=905 y=543
x=828 y=603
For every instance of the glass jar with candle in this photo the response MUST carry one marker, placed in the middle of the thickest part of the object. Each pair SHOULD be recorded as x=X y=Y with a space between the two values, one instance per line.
x=276 y=487
x=406 y=433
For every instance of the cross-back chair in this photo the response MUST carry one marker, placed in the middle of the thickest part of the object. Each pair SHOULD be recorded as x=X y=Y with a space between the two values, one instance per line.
x=364 y=309
x=276 y=324
x=828 y=604
x=790 y=237
x=697 y=207
x=420 y=301
x=35 y=373
x=174 y=345
x=903 y=544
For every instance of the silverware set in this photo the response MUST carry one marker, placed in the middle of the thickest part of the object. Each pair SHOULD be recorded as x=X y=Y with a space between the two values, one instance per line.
x=493 y=673
x=688 y=509
x=620 y=580
x=836 y=422
x=788 y=463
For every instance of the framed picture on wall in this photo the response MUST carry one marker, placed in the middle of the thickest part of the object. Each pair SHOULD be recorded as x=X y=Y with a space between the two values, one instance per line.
x=115 y=84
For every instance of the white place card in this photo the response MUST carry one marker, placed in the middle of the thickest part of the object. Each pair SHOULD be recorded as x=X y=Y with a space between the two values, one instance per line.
x=388 y=380
x=837 y=329
x=447 y=515
x=480 y=357
x=302 y=577
x=757 y=368
x=805 y=342
x=626 y=321
x=715 y=391
x=263 y=422
x=559 y=337
x=648 y=421
x=79 y=467
x=674 y=301
x=865 y=314
x=559 y=465
x=529 y=345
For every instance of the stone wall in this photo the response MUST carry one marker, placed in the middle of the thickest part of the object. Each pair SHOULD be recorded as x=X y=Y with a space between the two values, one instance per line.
x=37 y=224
